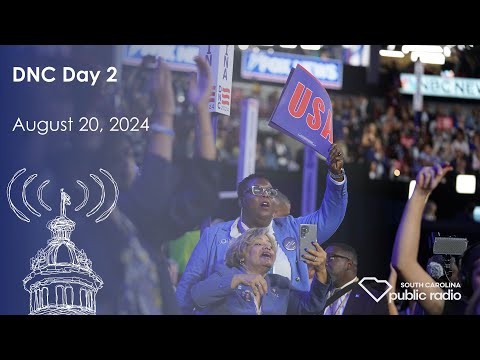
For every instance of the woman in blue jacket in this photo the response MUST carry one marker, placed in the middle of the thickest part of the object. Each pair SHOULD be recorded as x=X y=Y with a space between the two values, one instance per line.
x=244 y=287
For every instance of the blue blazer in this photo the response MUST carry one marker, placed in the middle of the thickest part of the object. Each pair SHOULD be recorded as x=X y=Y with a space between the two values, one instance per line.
x=213 y=243
x=214 y=296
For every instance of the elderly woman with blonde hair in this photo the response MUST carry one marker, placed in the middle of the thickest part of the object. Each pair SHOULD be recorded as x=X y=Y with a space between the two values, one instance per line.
x=244 y=285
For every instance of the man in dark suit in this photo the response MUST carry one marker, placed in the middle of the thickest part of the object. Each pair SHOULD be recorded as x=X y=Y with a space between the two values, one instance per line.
x=346 y=296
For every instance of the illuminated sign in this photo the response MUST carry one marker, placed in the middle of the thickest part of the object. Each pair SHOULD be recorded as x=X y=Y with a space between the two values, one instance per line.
x=455 y=87
x=179 y=57
x=260 y=65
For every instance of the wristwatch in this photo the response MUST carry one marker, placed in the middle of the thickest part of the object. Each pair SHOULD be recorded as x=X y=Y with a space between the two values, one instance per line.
x=339 y=176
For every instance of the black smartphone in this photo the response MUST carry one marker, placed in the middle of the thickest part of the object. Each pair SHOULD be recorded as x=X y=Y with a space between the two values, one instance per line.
x=308 y=234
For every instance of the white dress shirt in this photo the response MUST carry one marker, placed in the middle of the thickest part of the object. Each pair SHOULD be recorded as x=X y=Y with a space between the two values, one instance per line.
x=338 y=306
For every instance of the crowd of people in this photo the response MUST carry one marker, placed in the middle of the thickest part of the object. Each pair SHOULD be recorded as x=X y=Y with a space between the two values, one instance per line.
x=252 y=264
x=388 y=137
x=384 y=134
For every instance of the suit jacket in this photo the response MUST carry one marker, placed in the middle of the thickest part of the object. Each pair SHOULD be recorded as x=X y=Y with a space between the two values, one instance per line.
x=361 y=303
x=212 y=247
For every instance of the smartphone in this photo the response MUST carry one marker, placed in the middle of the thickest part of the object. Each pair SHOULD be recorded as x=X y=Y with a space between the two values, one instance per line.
x=308 y=234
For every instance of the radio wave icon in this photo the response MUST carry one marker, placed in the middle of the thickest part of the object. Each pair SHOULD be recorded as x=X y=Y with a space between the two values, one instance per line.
x=32 y=210
x=86 y=192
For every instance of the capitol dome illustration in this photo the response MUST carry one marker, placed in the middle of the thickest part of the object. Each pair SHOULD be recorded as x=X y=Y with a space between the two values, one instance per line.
x=62 y=281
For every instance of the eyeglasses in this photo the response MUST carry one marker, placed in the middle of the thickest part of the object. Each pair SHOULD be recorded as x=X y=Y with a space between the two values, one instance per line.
x=333 y=256
x=259 y=191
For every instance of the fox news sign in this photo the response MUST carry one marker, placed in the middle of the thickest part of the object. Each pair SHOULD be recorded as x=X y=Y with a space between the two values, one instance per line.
x=455 y=87
x=276 y=67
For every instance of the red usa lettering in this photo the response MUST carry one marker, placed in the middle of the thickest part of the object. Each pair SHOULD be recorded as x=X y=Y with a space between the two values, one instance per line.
x=298 y=106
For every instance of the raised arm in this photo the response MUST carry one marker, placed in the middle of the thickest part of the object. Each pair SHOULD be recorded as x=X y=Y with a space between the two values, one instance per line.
x=312 y=302
x=151 y=189
x=392 y=279
x=200 y=182
x=161 y=132
x=405 y=249
x=161 y=141
x=334 y=204
x=308 y=302
x=183 y=197
x=200 y=90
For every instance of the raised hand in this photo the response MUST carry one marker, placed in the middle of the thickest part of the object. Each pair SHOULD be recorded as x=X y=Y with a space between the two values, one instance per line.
x=429 y=177
x=317 y=258
x=161 y=143
x=162 y=89
x=199 y=95
x=335 y=160
x=256 y=282
x=200 y=90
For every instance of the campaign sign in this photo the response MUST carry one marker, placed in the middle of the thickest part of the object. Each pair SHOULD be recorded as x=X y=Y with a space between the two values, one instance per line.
x=220 y=58
x=304 y=111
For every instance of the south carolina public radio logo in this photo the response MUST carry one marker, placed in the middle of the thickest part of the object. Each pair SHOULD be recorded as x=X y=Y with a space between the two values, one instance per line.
x=61 y=281
x=417 y=291
x=414 y=291
x=367 y=278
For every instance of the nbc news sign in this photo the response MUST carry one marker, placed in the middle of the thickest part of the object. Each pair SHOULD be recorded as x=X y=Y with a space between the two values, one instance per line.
x=455 y=87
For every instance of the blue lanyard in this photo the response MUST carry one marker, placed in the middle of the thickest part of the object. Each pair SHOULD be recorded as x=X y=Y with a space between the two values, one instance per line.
x=240 y=226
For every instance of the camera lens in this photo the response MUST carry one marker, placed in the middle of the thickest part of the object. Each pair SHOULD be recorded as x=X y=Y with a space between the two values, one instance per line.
x=304 y=231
